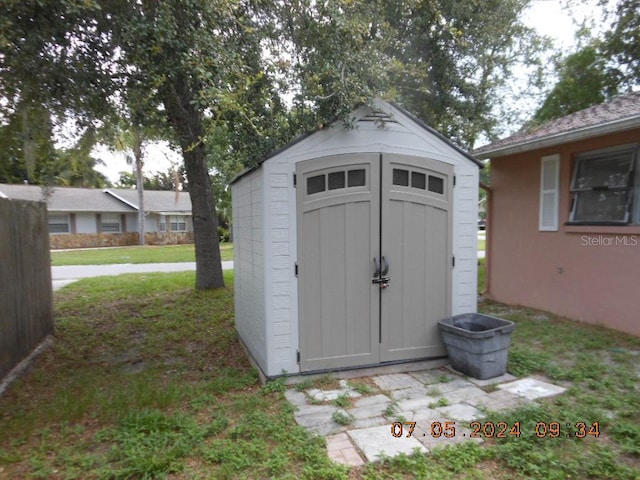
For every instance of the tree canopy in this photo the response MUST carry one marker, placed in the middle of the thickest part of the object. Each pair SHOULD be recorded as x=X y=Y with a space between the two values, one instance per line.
x=229 y=80
x=599 y=70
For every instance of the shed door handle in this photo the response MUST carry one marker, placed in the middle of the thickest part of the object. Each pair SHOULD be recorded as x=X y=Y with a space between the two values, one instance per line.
x=385 y=266
x=376 y=267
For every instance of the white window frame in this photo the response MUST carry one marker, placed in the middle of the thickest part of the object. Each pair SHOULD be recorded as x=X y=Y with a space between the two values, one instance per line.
x=110 y=219
x=632 y=214
x=177 y=221
x=549 y=193
x=59 y=216
x=173 y=223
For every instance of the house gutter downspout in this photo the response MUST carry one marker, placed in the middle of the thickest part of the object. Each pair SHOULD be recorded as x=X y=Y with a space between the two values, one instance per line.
x=487 y=243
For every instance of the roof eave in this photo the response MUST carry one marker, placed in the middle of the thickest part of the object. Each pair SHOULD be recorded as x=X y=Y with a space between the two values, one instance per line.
x=118 y=197
x=560 y=138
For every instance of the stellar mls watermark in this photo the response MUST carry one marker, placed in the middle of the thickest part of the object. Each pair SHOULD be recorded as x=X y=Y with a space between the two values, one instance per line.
x=610 y=240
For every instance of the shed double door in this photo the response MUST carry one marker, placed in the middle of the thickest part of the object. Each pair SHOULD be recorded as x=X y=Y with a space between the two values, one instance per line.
x=374 y=259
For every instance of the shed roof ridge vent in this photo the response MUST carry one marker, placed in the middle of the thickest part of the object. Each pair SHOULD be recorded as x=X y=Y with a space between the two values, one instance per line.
x=378 y=116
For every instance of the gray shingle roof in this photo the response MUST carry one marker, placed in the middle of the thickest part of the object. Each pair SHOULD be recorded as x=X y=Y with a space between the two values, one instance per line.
x=618 y=114
x=70 y=199
x=156 y=201
x=67 y=199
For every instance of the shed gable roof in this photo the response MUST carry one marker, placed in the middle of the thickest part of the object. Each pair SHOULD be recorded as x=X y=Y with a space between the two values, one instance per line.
x=618 y=114
x=383 y=114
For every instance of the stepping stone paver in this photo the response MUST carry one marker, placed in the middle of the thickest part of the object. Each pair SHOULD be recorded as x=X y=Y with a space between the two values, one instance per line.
x=307 y=409
x=429 y=377
x=460 y=411
x=370 y=422
x=425 y=416
x=371 y=401
x=295 y=398
x=375 y=442
x=407 y=393
x=341 y=450
x=501 y=400
x=315 y=420
x=396 y=381
x=454 y=384
x=437 y=438
x=466 y=394
x=330 y=395
x=368 y=412
x=507 y=377
x=370 y=432
x=416 y=403
x=532 y=389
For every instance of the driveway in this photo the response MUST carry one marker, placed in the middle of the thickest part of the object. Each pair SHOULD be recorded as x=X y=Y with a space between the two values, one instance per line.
x=65 y=275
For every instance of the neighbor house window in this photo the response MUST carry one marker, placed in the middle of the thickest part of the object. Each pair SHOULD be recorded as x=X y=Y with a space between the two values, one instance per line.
x=603 y=186
x=59 y=224
x=177 y=223
x=110 y=223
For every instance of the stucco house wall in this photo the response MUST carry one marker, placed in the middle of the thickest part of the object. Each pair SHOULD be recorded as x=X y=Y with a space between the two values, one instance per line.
x=588 y=273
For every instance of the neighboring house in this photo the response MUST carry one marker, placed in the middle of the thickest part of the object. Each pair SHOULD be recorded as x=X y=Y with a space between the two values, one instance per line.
x=564 y=216
x=87 y=217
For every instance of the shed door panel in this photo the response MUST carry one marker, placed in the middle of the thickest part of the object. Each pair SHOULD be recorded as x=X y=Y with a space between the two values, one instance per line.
x=416 y=243
x=353 y=209
x=338 y=213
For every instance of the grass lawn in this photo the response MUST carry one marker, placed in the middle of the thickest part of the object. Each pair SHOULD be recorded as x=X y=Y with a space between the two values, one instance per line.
x=146 y=379
x=135 y=254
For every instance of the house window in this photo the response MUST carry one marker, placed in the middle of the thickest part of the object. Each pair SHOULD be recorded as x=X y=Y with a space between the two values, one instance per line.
x=603 y=185
x=59 y=224
x=110 y=223
x=177 y=223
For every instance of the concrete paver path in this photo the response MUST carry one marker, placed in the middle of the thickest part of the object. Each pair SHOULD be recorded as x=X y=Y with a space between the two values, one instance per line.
x=442 y=403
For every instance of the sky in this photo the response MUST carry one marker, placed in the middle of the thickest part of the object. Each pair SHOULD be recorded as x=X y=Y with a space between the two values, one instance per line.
x=158 y=157
x=548 y=17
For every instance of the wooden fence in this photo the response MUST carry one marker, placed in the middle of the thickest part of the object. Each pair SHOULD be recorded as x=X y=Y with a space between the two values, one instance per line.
x=26 y=298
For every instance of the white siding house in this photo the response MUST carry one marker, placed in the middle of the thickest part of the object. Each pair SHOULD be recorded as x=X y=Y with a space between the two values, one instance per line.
x=78 y=215
x=342 y=309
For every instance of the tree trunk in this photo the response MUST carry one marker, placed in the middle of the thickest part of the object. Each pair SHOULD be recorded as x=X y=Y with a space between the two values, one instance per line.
x=137 y=153
x=186 y=120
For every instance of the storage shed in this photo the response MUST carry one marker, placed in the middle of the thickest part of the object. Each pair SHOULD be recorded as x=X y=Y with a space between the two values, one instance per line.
x=351 y=243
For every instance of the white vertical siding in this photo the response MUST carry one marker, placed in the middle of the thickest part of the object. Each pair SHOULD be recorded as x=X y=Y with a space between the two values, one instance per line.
x=280 y=260
x=465 y=240
x=249 y=261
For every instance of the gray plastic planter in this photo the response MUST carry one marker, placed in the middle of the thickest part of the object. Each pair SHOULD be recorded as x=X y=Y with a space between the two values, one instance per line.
x=478 y=345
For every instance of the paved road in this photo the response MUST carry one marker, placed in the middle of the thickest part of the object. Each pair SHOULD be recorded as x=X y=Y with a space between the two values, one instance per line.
x=62 y=276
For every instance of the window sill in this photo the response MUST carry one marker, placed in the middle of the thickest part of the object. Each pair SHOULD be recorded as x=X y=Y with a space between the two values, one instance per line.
x=603 y=229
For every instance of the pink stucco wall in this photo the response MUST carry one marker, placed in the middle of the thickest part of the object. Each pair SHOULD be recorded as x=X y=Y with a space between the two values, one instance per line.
x=585 y=273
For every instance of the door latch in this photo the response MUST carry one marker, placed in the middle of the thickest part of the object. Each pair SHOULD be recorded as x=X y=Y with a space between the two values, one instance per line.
x=383 y=281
